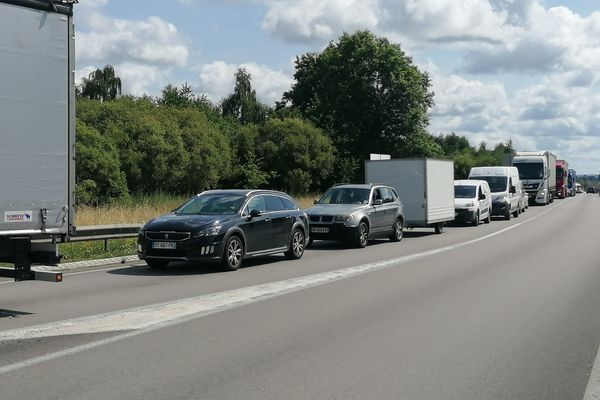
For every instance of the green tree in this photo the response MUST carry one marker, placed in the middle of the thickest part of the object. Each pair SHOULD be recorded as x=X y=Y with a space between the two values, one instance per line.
x=301 y=155
x=367 y=94
x=101 y=84
x=242 y=105
x=98 y=176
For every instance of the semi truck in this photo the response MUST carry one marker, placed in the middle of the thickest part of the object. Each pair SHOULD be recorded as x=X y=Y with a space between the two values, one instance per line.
x=37 y=116
x=562 y=178
x=425 y=187
x=537 y=171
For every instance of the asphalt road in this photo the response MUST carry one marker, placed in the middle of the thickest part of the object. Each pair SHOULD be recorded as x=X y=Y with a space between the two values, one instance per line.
x=509 y=310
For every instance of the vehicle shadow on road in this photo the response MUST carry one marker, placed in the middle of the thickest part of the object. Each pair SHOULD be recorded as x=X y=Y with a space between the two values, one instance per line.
x=183 y=268
x=12 y=313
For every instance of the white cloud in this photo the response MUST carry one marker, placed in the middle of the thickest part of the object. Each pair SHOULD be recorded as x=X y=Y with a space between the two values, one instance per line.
x=319 y=20
x=152 y=41
x=217 y=81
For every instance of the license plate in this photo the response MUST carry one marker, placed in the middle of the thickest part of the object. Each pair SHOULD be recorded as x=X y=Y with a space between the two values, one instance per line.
x=164 y=245
x=319 y=230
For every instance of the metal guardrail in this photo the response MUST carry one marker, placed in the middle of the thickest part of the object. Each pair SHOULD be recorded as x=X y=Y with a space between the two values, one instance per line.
x=101 y=232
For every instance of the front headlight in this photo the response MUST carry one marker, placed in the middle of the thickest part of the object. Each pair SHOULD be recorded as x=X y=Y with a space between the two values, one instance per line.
x=343 y=218
x=208 y=232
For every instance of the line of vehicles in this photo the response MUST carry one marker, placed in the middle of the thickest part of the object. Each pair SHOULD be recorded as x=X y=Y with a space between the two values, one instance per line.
x=228 y=226
x=37 y=176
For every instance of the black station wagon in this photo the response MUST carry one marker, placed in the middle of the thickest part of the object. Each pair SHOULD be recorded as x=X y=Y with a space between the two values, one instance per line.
x=226 y=226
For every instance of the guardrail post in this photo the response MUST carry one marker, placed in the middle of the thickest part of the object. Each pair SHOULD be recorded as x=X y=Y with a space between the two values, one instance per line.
x=105 y=244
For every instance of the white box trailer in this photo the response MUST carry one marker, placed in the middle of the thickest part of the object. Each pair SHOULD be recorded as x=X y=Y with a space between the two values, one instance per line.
x=37 y=132
x=425 y=186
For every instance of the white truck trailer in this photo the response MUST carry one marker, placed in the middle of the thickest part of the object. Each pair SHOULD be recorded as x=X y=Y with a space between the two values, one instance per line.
x=537 y=171
x=37 y=133
x=425 y=186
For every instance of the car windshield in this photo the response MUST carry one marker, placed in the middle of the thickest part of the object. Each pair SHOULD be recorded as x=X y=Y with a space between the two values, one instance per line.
x=530 y=170
x=464 y=192
x=345 y=196
x=212 y=204
x=497 y=183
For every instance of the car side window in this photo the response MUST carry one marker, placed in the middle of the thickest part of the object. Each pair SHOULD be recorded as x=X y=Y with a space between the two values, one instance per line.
x=274 y=203
x=257 y=203
x=289 y=204
x=388 y=196
x=378 y=194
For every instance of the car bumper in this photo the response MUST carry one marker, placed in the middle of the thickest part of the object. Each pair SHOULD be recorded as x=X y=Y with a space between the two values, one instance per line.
x=465 y=214
x=194 y=249
x=338 y=232
x=500 y=208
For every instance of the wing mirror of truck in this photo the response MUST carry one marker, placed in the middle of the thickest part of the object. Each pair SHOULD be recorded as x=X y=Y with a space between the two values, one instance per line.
x=513 y=189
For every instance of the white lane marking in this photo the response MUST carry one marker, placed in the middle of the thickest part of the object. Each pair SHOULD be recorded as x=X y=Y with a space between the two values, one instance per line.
x=140 y=320
x=592 y=391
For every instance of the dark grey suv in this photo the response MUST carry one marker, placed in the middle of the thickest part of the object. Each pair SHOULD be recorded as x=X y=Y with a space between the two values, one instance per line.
x=357 y=213
x=226 y=226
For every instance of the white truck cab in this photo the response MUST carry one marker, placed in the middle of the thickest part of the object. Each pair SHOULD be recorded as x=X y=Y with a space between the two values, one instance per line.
x=472 y=201
x=505 y=186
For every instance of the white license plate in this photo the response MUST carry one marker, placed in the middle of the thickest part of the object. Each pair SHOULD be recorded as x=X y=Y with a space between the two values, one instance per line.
x=319 y=230
x=164 y=245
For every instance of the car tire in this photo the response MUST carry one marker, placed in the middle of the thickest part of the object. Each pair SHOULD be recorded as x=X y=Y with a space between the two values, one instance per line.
x=508 y=215
x=297 y=245
x=398 y=231
x=362 y=235
x=489 y=218
x=157 y=264
x=233 y=254
x=476 y=220
x=439 y=228
x=516 y=213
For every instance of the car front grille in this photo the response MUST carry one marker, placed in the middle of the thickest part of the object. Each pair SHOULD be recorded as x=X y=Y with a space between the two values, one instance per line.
x=321 y=218
x=170 y=236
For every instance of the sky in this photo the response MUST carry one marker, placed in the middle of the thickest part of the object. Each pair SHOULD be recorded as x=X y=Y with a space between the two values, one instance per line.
x=520 y=70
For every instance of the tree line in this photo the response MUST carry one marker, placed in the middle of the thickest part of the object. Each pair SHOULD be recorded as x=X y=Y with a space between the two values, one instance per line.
x=362 y=94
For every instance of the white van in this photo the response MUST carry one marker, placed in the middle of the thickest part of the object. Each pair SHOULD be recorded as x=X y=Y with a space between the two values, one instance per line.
x=505 y=186
x=472 y=201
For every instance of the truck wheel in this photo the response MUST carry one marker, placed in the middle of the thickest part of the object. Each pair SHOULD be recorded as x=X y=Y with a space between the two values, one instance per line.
x=516 y=213
x=476 y=220
x=507 y=215
x=362 y=235
x=234 y=253
x=157 y=264
x=398 y=233
x=439 y=228
x=296 y=249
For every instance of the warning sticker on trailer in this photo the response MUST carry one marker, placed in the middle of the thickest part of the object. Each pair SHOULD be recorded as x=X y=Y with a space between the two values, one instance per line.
x=18 y=216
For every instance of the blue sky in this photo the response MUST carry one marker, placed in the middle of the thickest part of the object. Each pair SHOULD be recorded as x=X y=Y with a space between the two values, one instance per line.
x=525 y=70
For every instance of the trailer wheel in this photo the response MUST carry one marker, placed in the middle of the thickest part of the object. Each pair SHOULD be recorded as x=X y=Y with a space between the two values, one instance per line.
x=439 y=228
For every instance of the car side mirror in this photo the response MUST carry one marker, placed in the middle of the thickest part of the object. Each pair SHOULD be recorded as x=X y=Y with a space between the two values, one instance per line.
x=315 y=201
x=513 y=189
x=482 y=196
x=254 y=213
x=377 y=202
